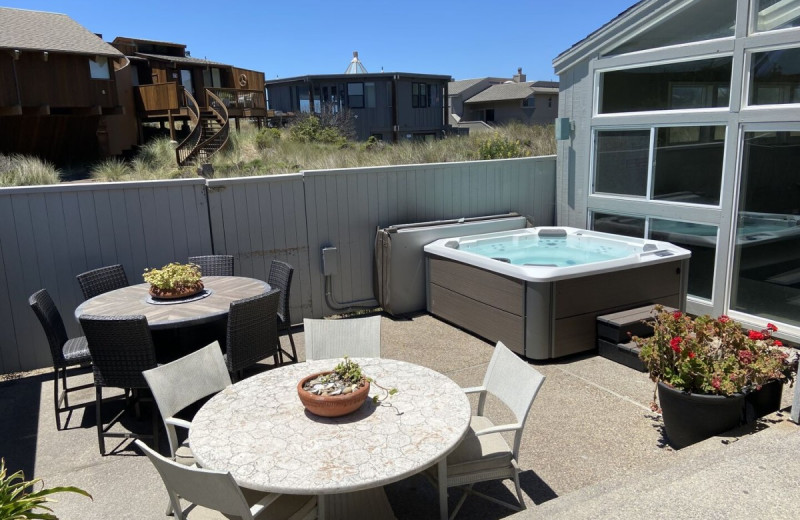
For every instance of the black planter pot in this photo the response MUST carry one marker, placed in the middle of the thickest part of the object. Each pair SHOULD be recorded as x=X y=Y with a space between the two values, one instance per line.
x=764 y=401
x=691 y=418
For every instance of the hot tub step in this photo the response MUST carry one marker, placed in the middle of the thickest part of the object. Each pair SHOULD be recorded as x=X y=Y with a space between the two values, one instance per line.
x=624 y=353
x=618 y=327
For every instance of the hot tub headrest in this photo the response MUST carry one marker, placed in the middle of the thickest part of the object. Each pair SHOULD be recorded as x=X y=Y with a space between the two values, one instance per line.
x=649 y=247
x=452 y=244
x=552 y=233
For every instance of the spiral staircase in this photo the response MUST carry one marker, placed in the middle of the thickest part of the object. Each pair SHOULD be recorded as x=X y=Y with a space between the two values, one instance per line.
x=210 y=129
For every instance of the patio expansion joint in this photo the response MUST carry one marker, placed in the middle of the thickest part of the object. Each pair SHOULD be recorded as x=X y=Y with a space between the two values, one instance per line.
x=606 y=390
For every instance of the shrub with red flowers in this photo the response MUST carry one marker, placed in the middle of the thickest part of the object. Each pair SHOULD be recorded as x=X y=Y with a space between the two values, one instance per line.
x=713 y=355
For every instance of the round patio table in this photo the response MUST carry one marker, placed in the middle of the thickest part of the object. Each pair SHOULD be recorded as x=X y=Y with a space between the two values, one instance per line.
x=259 y=431
x=174 y=314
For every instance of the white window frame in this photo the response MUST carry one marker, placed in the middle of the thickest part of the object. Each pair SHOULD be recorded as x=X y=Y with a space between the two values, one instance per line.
x=747 y=83
x=751 y=23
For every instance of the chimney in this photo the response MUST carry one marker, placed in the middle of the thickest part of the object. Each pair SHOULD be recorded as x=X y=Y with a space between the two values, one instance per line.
x=519 y=77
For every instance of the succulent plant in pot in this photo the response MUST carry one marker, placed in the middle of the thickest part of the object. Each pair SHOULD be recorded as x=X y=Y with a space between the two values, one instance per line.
x=174 y=280
x=338 y=392
x=703 y=365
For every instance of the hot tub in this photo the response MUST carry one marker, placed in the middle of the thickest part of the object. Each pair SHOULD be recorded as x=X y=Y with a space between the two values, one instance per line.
x=540 y=290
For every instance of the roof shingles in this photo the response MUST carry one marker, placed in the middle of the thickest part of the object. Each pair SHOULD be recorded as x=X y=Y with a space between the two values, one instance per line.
x=509 y=92
x=53 y=32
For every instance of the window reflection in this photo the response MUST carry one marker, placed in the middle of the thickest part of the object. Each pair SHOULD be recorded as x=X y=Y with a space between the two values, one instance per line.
x=777 y=14
x=775 y=77
x=766 y=273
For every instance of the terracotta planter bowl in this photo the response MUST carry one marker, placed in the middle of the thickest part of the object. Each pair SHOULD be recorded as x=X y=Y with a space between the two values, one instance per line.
x=331 y=405
x=171 y=294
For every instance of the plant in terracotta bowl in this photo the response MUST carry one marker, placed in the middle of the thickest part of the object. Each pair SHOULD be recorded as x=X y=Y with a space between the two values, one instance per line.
x=337 y=392
x=703 y=365
x=174 y=280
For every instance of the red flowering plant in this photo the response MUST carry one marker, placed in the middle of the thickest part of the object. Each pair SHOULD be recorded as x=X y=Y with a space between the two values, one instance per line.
x=716 y=356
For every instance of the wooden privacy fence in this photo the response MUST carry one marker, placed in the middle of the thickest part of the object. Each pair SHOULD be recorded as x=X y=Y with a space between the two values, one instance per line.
x=49 y=234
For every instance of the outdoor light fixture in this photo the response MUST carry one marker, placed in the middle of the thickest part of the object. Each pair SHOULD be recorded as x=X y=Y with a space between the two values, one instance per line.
x=45 y=55
x=16 y=54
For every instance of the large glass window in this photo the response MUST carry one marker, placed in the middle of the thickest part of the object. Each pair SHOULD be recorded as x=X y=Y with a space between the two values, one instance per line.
x=697 y=22
x=701 y=240
x=766 y=269
x=687 y=164
x=355 y=95
x=672 y=86
x=621 y=161
x=775 y=77
x=776 y=14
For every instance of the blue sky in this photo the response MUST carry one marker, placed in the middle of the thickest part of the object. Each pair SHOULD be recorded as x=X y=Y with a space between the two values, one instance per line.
x=464 y=39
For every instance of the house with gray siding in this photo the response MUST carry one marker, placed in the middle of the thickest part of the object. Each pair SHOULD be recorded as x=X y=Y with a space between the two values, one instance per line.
x=498 y=101
x=682 y=123
x=391 y=106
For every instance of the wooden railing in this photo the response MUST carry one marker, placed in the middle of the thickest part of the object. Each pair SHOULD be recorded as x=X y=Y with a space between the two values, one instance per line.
x=188 y=145
x=238 y=99
x=220 y=138
x=159 y=97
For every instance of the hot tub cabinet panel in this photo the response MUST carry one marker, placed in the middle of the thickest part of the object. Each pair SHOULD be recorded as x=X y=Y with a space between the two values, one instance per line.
x=541 y=318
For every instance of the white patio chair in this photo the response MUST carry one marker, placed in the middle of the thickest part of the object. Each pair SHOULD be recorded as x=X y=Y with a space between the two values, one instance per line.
x=356 y=337
x=484 y=454
x=219 y=491
x=182 y=382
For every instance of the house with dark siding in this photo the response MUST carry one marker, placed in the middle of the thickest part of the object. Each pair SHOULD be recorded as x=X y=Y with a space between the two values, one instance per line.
x=390 y=106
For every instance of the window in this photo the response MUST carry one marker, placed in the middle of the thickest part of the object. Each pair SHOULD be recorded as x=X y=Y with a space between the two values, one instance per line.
x=621 y=158
x=419 y=95
x=673 y=86
x=186 y=80
x=98 y=68
x=775 y=77
x=355 y=95
x=766 y=269
x=776 y=14
x=549 y=102
x=700 y=239
x=302 y=96
x=529 y=102
x=488 y=115
x=697 y=22
x=687 y=164
x=369 y=89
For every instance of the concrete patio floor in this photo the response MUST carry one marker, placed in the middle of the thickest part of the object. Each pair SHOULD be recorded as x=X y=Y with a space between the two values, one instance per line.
x=591 y=448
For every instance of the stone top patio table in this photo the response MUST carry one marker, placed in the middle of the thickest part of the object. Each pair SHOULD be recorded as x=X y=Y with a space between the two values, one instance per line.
x=259 y=431
x=173 y=314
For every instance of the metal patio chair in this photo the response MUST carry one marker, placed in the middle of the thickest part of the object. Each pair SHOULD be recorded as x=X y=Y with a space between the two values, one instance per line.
x=354 y=337
x=280 y=277
x=214 y=265
x=102 y=280
x=65 y=352
x=219 y=491
x=484 y=454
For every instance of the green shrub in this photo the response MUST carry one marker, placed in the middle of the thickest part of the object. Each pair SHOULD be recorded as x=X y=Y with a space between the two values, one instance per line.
x=308 y=129
x=499 y=147
x=24 y=170
x=267 y=137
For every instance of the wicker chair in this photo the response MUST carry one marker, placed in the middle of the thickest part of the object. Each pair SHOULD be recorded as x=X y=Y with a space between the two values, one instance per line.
x=280 y=276
x=122 y=348
x=252 y=332
x=354 y=337
x=65 y=352
x=219 y=491
x=102 y=280
x=484 y=453
x=214 y=265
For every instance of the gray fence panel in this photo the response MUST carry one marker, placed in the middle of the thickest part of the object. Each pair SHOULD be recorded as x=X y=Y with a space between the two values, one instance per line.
x=345 y=207
x=257 y=219
x=49 y=234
